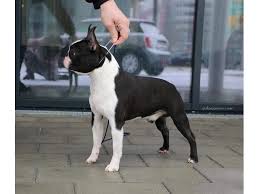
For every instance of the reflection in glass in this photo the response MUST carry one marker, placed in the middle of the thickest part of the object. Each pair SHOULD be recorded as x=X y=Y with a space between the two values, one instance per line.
x=222 y=68
x=159 y=44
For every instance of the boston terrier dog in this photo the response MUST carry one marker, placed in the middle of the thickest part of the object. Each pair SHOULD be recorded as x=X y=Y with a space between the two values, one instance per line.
x=119 y=96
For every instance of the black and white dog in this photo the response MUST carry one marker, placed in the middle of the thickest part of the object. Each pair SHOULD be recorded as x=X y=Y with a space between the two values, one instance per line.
x=119 y=97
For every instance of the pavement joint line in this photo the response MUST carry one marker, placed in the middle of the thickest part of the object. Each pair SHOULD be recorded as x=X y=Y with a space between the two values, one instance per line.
x=74 y=188
x=203 y=133
x=166 y=187
x=142 y=159
x=69 y=162
x=35 y=175
x=130 y=143
x=210 y=158
x=203 y=175
x=240 y=154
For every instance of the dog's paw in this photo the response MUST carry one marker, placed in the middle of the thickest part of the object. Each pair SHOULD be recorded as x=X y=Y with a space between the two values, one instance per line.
x=190 y=161
x=92 y=159
x=112 y=168
x=163 y=151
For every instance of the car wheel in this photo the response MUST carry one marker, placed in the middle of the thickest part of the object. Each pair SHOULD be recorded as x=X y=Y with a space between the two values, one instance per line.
x=154 y=70
x=130 y=63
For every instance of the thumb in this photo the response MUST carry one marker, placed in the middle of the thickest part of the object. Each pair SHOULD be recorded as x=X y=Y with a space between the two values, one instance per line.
x=113 y=32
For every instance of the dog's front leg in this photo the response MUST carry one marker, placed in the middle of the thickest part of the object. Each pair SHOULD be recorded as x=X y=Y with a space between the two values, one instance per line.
x=97 y=129
x=117 y=144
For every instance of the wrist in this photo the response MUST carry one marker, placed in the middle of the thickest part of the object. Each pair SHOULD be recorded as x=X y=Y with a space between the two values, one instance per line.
x=107 y=3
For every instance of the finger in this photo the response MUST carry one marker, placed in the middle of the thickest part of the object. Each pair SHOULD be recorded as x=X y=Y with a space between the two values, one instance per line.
x=124 y=34
x=114 y=33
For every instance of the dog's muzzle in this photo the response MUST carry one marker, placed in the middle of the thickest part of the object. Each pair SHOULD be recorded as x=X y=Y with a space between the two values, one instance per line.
x=67 y=62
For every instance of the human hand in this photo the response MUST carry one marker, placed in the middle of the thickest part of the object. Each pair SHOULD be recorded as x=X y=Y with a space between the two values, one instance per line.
x=115 y=21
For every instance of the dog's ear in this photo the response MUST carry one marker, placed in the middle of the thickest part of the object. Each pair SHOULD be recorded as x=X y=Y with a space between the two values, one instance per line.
x=93 y=43
x=89 y=28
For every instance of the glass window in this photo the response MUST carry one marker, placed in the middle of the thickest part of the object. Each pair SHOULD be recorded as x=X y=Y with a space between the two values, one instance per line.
x=222 y=57
x=162 y=46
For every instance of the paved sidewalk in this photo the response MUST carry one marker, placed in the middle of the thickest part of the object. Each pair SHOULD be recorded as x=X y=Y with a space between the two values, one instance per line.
x=51 y=152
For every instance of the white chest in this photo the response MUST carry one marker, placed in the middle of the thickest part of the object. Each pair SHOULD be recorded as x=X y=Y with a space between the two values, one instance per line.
x=103 y=99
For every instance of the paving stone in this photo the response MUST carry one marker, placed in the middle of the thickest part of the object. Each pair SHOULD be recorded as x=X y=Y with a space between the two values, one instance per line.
x=204 y=150
x=151 y=140
x=25 y=119
x=121 y=188
x=89 y=140
x=230 y=176
x=203 y=188
x=27 y=131
x=175 y=161
x=44 y=189
x=67 y=149
x=41 y=139
x=103 y=160
x=158 y=175
x=24 y=175
x=66 y=131
x=26 y=148
x=41 y=160
x=135 y=149
x=154 y=140
x=228 y=161
x=68 y=175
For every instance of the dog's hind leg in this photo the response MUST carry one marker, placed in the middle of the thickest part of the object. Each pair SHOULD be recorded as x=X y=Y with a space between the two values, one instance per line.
x=97 y=129
x=182 y=123
x=161 y=126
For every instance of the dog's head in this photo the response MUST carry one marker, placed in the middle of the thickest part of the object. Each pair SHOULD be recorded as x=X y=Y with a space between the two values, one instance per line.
x=86 y=55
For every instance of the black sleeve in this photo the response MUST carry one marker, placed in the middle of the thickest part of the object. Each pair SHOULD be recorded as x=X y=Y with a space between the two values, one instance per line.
x=97 y=3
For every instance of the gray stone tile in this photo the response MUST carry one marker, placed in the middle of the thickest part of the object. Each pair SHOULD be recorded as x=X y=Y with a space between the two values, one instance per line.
x=152 y=140
x=89 y=140
x=135 y=149
x=230 y=176
x=26 y=148
x=68 y=175
x=158 y=175
x=27 y=131
x=121 y=188
x=41 y=160
x=44 y=188
x=174 y=160
x=103 y=160
x=228 y=161
x=41 y=139
x=204 y=150
x=203 y=188
x=24 y=175
x=67 y=149
x=155 y=140
x=66 y=131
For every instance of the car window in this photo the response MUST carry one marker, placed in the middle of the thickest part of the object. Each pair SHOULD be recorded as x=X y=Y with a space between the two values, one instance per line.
x=149 y=28
x=134 y=27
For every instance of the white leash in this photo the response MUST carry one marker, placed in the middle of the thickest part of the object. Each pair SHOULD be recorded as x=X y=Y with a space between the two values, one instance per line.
x=108 y=50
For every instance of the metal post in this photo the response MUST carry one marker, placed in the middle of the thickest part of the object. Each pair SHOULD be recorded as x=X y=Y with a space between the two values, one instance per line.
x=197 y=52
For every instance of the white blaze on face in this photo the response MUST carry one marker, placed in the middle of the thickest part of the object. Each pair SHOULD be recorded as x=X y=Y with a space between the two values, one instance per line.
x=67 y=62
